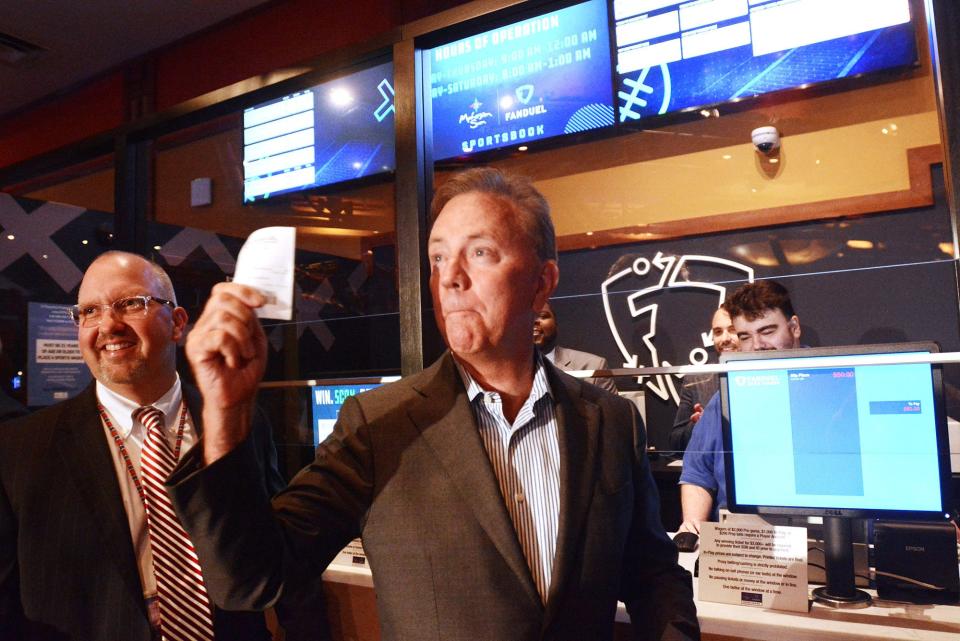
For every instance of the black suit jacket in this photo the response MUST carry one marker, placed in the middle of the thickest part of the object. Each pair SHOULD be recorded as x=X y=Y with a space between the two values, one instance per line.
x=406 y=469
x=67 y=564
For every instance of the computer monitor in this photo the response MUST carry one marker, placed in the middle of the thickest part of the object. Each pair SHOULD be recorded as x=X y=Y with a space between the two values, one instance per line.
x=842 y=432
x=327 y=399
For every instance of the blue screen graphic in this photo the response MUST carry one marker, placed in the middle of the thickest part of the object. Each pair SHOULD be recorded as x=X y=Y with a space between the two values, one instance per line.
x=337 y=131
x=673 y=56
x=327 y=401
x=534 y=79
x=862 y=437
x=825 y=431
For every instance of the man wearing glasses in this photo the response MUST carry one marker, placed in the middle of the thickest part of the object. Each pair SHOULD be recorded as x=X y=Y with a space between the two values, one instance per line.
x=88 y=548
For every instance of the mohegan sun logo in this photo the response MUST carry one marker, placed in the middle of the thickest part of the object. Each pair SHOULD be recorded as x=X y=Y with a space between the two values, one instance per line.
x=475 y=118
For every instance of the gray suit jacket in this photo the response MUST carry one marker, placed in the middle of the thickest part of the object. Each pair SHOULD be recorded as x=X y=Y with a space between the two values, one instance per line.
x=571 y=359
x=406 y=469
x=67 y=565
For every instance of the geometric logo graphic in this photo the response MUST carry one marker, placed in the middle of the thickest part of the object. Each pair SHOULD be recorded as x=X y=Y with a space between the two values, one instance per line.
x=643 y=312
x=642 y=92
x=386 y=107
x=32 y=233
x=524 y=93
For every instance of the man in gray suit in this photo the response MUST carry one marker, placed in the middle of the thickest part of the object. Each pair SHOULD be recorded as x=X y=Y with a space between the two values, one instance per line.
x=545 y=337
x=498 y=498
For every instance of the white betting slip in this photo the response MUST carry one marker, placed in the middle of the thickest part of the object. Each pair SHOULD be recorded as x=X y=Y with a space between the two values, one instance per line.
x=266 y=263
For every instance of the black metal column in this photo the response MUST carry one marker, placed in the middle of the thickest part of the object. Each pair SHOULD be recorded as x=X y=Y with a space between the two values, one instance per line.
x=133 y=194
x=943 y=32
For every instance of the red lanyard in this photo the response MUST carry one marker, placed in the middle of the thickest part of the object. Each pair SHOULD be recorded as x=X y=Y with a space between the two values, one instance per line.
x=123 y=450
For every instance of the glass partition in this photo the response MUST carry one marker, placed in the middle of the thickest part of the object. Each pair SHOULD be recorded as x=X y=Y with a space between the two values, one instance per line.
x=346 y=320
x=657 y=224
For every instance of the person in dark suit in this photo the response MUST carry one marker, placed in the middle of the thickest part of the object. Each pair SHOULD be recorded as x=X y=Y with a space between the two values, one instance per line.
x=698 y=390
x=75 y=554
x=545 y=338
x=497 y=497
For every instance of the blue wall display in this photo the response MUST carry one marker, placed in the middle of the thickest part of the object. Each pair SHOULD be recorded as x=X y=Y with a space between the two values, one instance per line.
x=537 y=78
x=673 y=56
x=334 y=132
x=55 y=367
x=327 y=401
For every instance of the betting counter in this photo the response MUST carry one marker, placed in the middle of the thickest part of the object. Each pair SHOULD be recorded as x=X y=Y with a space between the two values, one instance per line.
x=353 y=616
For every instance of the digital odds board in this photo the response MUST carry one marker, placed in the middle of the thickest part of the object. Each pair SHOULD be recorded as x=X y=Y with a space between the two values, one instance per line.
x=334 y=132
x=673 y=55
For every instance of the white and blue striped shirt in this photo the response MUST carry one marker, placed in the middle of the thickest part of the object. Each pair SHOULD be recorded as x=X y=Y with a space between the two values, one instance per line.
x=526 y=462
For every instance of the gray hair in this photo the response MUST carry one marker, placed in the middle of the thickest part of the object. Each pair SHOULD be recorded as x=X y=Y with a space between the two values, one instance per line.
x=517 y=192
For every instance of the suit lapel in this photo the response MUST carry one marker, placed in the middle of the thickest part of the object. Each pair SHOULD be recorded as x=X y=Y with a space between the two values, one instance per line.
x=87 y=465
x=578 y=428
x=447 y=423
x=560 y=358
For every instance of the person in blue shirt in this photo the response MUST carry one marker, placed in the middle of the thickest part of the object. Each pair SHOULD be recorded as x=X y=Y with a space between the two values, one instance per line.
x=764 y=319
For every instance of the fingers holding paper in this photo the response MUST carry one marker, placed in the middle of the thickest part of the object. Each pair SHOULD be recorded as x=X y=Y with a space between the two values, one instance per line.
x=227 y=352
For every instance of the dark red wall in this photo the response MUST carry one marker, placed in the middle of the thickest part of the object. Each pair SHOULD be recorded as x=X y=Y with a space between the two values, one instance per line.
x=260 y=41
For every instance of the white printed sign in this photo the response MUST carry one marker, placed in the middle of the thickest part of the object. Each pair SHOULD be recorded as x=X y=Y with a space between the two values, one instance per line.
x=759 y=565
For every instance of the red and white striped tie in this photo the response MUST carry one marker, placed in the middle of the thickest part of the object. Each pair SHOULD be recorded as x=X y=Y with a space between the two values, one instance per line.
x=185 y=613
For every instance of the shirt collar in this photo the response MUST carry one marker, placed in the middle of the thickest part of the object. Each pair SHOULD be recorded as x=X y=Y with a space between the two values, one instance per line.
x=121 y=409
x=541 y=385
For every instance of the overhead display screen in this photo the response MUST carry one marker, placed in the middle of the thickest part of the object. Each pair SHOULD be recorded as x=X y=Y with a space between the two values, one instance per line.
x=537 y=78
x=337 y=131
x=680 y=55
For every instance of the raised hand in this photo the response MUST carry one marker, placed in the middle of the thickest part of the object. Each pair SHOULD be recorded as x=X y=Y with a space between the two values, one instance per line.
x=697 y=413
x=227 y=350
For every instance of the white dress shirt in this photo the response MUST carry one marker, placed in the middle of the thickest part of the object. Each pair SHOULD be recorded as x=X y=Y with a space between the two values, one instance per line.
x=526 y=461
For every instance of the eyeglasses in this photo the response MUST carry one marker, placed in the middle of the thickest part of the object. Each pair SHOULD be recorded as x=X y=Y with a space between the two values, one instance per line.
x=126 y=308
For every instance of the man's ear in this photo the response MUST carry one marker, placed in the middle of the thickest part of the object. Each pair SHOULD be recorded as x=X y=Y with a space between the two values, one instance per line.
x=180 y=318
x=546 y=284
x=794 y=323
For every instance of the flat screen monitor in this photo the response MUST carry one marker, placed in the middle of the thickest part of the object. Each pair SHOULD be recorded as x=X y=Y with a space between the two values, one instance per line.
x=327 y=401
x=537 y=78
x=823 y=432
x=334 y=132
x=674 y=56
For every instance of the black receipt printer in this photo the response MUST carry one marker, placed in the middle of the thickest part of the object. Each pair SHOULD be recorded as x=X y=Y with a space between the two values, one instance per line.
x=916 y=562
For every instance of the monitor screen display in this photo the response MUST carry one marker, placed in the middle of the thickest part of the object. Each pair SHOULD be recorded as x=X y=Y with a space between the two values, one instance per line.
x=336 y=131
x=826 y=432
x=327 y=401
x=537 y=78
x=673 y=56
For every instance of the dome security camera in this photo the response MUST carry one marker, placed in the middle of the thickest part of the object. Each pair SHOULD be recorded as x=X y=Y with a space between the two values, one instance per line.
x=766 y=140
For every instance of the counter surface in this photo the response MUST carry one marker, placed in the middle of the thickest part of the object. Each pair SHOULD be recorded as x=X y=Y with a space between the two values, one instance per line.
x=883 y=621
